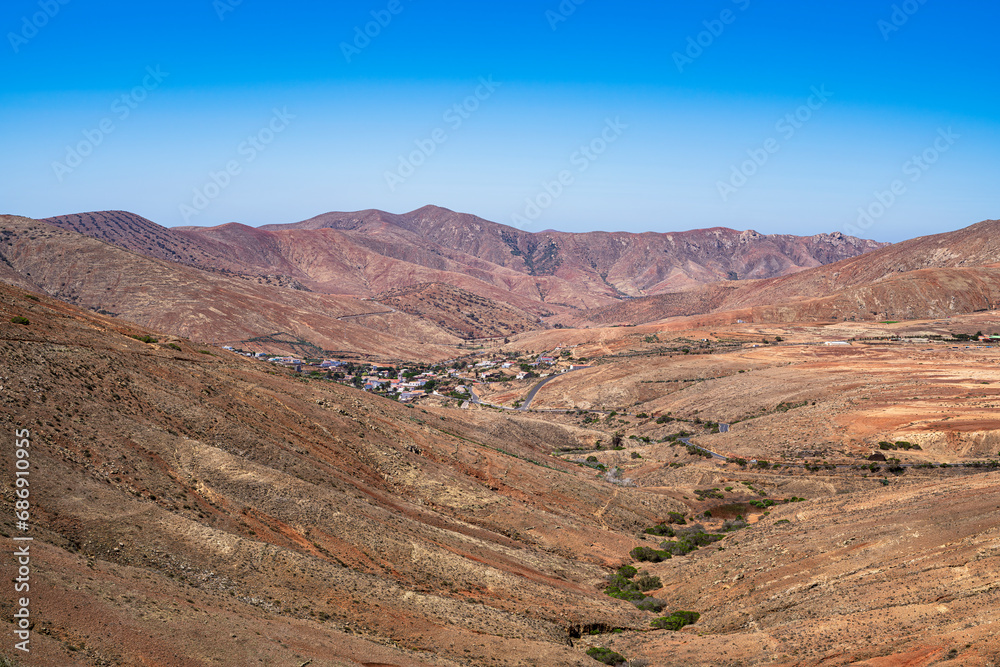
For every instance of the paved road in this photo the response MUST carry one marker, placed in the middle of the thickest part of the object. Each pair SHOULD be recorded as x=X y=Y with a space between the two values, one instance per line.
x=527 y=399
x=534 y=390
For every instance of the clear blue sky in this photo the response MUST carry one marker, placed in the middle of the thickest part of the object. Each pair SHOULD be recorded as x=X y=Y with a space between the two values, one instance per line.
x=680 y=135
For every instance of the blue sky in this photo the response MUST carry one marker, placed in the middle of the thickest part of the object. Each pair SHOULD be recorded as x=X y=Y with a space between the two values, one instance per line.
x=872 y=118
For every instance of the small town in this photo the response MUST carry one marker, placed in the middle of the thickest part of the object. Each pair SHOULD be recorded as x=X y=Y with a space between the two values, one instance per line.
x=450 y=379
x=455 y=379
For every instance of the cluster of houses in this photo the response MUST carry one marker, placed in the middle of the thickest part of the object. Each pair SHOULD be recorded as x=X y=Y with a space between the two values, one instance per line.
x=408 y=385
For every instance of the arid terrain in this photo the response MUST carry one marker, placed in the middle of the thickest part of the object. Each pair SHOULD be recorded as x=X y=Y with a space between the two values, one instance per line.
x=820 y=490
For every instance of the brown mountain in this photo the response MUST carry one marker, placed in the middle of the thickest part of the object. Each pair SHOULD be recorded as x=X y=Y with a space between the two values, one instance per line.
x=463 y=313
x=369 y=252
x=207 y=306
x=931 y=276
x=612 y=263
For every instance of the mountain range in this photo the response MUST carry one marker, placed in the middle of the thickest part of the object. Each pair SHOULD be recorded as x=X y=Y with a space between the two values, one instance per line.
x=431 y=275
x=368 y=252
x=419 y=284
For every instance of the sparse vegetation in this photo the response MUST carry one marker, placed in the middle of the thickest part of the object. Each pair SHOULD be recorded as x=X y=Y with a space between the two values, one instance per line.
x=899 y=444
x=690 y=539
x=661 y=530
x=19 y=320
x=605 y=655
x=649 y=555
x=651 y=604
x=676 y=620
x=647 y=582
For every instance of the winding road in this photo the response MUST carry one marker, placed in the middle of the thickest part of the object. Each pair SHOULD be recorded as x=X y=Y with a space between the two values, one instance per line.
x=534 y=390
x=529 y=397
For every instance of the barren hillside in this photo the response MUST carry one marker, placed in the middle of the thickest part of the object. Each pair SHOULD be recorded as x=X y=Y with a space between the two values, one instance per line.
x=368 y=252
x=931 y=276
x=205 y=306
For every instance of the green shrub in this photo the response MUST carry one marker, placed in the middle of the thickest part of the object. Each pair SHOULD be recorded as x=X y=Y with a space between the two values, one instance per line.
x=647 y=582
x=698 y=451
x=646 y=554
x=730 y=525
x=627 y=594
x=605 y=655
x=651 y=604
x=661 y=530
x=676 y=620
x=19 y=320
x=621 y=587
x=174 y=346
x=144 y=338
x=682 y=547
